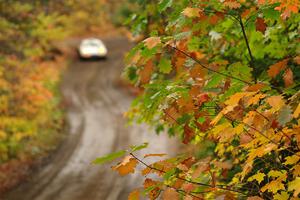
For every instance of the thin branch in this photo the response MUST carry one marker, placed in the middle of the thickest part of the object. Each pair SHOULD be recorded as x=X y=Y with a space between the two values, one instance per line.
x=206 y=67
x=220 y=187
x=246 y=40
x=184 y=192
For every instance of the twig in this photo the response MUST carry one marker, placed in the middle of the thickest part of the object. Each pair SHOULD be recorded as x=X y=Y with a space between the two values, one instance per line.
x=220 y=187
x=206 y=67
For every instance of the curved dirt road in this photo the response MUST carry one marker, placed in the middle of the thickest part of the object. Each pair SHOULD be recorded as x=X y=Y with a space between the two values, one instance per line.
x=97 y=127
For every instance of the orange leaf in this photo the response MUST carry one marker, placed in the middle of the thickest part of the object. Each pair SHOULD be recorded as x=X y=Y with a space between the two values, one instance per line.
x=151 y=42
x=260 y=25
x=154 y=193
x=126 y=166
x=146 y=72
x=155 y=154
x=134 y=195
x=146 y=171
x=275 y=69
x=232 y=4
x=297 y=111
x=192 y=12
x=170 y=194
x=288 y=77
x=276 y=102
x=255 y=87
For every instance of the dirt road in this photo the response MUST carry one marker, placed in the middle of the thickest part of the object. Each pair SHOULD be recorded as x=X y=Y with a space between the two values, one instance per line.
x=97 y=127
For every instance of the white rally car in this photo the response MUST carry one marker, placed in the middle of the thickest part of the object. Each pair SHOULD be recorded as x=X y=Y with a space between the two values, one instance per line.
x=92 y=48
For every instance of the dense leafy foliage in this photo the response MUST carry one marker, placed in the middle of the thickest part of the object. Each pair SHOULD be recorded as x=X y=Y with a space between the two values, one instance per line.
x=31 y=63
x=224 y=77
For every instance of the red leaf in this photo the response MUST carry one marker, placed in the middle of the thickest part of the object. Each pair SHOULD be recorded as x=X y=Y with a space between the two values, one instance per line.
x=275 y=69
x=288 y=77
x=260 y=25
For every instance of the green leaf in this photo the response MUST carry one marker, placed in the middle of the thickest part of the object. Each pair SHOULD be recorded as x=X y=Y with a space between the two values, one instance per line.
x=165 y=66
x=170 y=173
x=109 y=157
x=137 y=148
x=164 y=4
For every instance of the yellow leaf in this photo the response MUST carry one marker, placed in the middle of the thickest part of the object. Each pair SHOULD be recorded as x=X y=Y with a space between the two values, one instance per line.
x=126 y=166
x=276 y=174
x=216 y=119
x=170 y=194
x=296 y=171
x=282 y=196
x=259 y=177
x=146 y=171
x=273 y=186
x=239 y=129
x=152 y=42
x=234 y=99
x=134 y=195
x=155 y=154
x=297 y=111
x=255 y=99
x=290 y=160
x=276 y=102
x=192 y=12
x=295 y=185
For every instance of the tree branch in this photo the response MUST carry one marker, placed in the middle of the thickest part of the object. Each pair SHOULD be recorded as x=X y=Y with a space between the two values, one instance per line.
x=206 y=67
x=220 y=187
x=248 y=46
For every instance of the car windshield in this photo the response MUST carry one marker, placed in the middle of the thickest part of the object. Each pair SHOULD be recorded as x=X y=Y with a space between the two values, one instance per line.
x=93 y=43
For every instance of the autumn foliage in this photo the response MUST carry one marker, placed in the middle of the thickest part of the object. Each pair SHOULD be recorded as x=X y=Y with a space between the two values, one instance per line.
x=31 y=63
x=224 y=77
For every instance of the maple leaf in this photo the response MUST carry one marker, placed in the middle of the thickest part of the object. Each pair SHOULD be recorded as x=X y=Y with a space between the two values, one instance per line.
x=234 y=99
x=259 y=177
x=165 y=66
x=127 y=165
x=188 y=134
x=276 y=174
x=134 y=195
x=294 y=185
x=152 y=42
x=288 y=77
x=282 y=196
x=146 y=72
x=296 y=171
x=170 y=194
x=232 y=4
x=291 y=160
x=274 y=185
x=275 y=69
x=192 y=12
x=276 y=102
x=255 y=87
x=297 y=111
x=152 y=188
x=260 y=25
x=285 y=115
